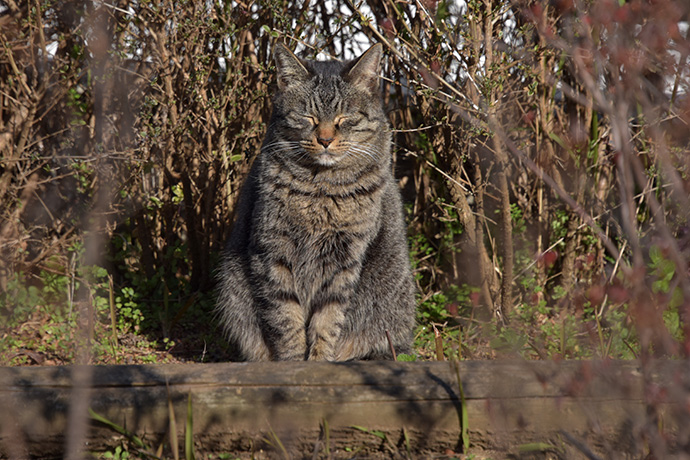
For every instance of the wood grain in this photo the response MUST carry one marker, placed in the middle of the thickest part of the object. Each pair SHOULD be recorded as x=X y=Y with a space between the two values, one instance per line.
x=236 y=404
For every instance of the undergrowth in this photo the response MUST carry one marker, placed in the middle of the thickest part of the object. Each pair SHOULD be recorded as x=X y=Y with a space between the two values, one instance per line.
x=540 y=150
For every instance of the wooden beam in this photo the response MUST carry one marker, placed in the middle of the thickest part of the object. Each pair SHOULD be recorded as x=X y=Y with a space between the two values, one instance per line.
x=237 y=405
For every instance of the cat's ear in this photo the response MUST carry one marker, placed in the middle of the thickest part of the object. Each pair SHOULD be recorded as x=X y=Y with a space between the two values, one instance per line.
x=364 y=72
x=289 y=68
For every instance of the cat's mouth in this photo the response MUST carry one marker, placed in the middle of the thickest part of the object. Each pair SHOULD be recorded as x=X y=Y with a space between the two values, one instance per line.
x=327 y=157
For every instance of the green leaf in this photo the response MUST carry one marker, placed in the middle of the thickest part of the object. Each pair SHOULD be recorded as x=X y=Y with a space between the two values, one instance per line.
x=377 y=433
x=406 y=358
x=99 y=418
x=189 y=431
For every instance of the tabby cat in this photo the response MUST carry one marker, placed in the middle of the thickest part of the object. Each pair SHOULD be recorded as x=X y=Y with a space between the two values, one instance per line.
x=317 y=265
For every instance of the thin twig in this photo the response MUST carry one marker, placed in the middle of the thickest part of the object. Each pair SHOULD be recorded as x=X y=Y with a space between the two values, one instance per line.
x=390 y=344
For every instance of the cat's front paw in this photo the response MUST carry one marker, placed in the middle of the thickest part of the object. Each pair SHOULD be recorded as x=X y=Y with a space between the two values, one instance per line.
x=321 y=353
x=294 y=356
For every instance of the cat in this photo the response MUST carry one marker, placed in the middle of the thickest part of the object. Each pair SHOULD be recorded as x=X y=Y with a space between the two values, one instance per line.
x=316 y=266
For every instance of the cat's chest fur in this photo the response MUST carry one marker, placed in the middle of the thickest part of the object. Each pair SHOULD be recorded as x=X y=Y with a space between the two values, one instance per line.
x=318 y=222
x=323 y=201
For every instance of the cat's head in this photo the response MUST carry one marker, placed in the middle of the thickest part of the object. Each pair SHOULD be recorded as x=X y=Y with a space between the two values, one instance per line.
x=329 y=114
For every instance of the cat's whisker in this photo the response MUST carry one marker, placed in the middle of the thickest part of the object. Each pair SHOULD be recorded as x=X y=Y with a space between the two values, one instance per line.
x=359 y=152
x=303 y=154
x=284 y=147
x=373 y=150
x=365 y=145
x=281 y=144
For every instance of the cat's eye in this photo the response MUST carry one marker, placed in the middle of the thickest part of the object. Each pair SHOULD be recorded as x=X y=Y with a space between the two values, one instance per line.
x=313 y=121
x=350 y=122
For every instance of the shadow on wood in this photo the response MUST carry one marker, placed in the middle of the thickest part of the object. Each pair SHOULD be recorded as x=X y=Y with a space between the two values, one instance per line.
x=235 y=405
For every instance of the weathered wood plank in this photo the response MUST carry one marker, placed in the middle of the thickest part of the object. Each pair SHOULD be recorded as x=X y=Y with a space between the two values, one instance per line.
x=236 y=402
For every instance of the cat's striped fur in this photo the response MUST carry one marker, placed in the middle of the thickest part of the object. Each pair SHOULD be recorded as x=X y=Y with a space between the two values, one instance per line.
x=317 y=263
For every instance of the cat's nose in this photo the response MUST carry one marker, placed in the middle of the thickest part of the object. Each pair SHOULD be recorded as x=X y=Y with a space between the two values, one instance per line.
x=325 y=141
